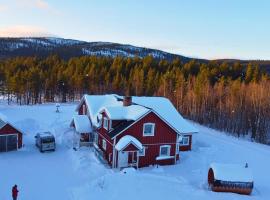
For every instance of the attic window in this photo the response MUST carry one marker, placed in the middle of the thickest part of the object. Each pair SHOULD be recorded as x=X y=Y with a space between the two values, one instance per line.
x=106 y=123
x=148 y=129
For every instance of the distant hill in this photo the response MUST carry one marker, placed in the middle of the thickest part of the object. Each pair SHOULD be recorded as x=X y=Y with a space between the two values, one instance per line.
x=67 y=48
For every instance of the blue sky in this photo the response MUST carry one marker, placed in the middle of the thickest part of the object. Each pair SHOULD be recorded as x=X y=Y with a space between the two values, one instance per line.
x=199 y=28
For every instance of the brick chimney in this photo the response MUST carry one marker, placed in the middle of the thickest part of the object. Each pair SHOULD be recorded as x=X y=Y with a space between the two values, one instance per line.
x=127 y=101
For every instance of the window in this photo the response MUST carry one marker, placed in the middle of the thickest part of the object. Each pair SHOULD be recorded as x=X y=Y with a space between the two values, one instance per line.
x=105 y=123
x=104 y=145
x=164 y=150
x=184 y=141
x=148 y=129
x=142 y=152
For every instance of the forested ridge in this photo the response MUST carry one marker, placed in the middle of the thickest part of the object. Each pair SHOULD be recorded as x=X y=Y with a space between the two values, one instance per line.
x=230 y=97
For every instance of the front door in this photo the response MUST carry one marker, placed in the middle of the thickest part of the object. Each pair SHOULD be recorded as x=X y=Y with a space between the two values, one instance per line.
x=122 y=159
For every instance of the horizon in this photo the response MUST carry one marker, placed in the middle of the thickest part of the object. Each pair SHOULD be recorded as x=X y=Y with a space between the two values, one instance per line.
x=208 y=30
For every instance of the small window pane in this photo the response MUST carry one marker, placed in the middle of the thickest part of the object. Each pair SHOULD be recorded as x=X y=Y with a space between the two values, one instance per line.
x=142 y=152
x=164 y=151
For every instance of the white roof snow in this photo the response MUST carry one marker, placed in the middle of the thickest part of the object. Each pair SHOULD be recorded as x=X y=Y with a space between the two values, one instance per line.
x=132 y=112
x=96 y=102
x=163 y=107
x=126 y=140
x=232 y=172
x=82 y=124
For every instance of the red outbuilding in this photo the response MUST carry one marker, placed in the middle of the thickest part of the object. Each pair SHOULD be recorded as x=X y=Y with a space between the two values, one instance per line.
x=10 y=137
x=136 y=131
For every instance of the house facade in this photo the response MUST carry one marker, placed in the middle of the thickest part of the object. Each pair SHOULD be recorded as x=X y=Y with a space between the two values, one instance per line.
x=136 y=131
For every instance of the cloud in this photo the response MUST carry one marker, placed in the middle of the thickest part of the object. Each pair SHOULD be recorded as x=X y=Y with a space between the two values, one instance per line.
x=42 y=4
x=24 y=31
x=35 y=4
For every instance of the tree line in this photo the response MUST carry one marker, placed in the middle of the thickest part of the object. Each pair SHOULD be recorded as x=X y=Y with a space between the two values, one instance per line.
x=228 y=96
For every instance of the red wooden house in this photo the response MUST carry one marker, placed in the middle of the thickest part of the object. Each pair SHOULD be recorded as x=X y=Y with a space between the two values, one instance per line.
x=136 y=131
x=10 y=137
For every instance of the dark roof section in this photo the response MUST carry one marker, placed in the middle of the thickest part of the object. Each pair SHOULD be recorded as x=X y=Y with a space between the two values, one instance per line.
x=120 y=128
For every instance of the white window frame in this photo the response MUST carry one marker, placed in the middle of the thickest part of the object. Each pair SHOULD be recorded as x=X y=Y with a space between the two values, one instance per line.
x=184 y=144
x=141 y=153
x=168 y=152
x=104 y=144
x=152 y=130
x=107 y=123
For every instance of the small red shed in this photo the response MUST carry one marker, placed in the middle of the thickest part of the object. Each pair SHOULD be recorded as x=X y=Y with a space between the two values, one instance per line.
x=230 y=178
x=10 y=137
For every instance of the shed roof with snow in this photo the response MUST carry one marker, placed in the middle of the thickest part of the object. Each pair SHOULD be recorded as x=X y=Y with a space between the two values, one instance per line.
x=82 y=124
x=232 y=172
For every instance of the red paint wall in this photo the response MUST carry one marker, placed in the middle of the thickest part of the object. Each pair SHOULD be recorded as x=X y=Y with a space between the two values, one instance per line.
x=81 y=108
x=8 y=129
x=164 y=135
x=103 y=134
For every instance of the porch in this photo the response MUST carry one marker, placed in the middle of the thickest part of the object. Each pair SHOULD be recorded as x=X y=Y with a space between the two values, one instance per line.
x=127 y=149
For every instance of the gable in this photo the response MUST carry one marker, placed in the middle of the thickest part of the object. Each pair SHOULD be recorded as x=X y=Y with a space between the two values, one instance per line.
x=163 y=132
x=9 y=129
x=130 y=147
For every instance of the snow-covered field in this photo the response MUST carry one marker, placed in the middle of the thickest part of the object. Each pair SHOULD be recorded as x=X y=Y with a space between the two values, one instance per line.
x=77 y=175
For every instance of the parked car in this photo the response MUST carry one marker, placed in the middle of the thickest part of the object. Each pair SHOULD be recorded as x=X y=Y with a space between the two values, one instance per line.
x=45 y=141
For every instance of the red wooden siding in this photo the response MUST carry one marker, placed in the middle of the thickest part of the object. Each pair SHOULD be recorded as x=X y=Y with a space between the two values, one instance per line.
x=164 y=135
x=8 y=129
x=187 y=147
x=108 y=153
x=81 y=109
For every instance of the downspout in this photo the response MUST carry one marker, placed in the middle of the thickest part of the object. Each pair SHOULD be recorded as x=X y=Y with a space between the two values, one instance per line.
x=113 y=164
x=176 y=149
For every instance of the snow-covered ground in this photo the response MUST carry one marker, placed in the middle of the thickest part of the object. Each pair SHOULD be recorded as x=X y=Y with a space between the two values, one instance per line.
x=77 y=175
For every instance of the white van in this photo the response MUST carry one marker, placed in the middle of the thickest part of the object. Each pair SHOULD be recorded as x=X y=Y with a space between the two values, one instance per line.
x=45 y=141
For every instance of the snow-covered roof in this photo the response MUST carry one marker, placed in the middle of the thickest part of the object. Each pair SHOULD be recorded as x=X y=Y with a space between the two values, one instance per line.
x=4 y=121
x=163 y=107
x=232 y=172
x=114 y=106
x=132 y=112
x=126 y=140
x=96 y=102
x=82 y=124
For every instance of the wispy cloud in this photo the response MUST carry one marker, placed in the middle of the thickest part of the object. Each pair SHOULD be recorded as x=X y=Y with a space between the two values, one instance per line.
x=42 y=4
x=36 y=4
x=24 y=31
